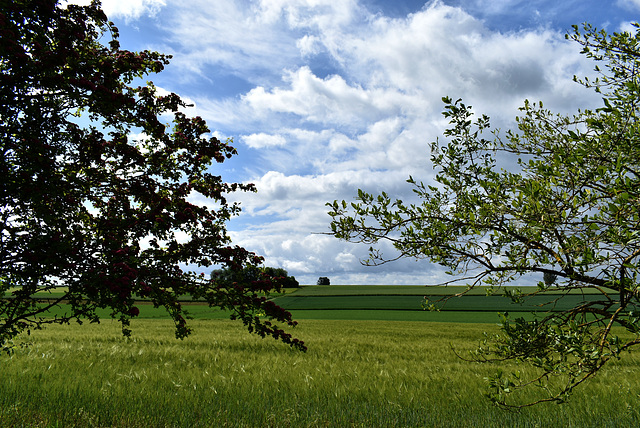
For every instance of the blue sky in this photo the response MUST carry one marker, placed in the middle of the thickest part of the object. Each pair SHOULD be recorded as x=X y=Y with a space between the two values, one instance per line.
x=323 y=97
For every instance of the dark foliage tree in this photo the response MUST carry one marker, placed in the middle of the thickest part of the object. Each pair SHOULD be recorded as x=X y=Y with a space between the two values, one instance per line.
x=97 y=188
x=323 y=280
x=282 y=277
x=252 y=274
x=567 y=212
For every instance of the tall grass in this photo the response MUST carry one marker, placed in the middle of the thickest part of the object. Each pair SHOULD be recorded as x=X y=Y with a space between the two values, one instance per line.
x=356 y=373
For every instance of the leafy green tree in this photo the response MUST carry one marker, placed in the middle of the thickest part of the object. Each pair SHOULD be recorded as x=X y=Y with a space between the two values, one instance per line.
x=97 y=187
x=255 y=275
x=282 y=276
x=323 y=280
x=566 y=212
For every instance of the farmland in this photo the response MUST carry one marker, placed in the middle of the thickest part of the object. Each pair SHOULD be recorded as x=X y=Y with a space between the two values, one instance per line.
x=410 y=298
x=385 y=302
x=357 y=372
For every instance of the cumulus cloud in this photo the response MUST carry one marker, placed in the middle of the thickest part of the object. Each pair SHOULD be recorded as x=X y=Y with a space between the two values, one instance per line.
x=630 y=4
x=329 y=100
x=132 y=9
x=263 y=140
x=127 y=9
x=369 y=126
x=342 y=99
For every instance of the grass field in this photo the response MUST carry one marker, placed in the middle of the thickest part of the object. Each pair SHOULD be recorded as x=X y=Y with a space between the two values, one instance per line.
x=384 y=302
x=356 y=373
x=375 y=360
x=380 y=302
x=391 y=302
x=407 y=302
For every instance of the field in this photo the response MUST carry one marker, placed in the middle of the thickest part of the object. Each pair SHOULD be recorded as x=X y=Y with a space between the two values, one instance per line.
x=386 y=302
x=410 y=298
x=368 y=373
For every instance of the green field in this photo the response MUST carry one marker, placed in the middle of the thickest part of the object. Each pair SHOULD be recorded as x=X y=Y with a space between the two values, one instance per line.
x=375 y=359
x=389 y=302
x=356 y=373
x=203 y=312
x=380 y=302
x=409 y=303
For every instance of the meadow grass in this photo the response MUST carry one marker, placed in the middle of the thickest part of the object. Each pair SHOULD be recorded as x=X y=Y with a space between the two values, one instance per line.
x=356 y=373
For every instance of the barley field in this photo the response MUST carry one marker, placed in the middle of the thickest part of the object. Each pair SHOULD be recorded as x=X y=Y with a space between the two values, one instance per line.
x=357 y=373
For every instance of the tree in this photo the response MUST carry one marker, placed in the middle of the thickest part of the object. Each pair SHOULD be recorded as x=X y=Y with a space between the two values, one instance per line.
x=323 y=280
x=282 y=276
x=250 y=274
x=97 y=192
x=566 y=212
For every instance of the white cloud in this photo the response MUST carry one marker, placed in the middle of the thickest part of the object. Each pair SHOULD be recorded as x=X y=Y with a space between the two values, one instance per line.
x=127 y=9
x=308 y=45
x=346 y=260
x=329 y=100
x=628 y=27
x=190 y=110
x=342 y=100
x=263 y=140
x=370 y=126
x=235 y=37
x=132 y=9
x=309 y=13
x=630 y=4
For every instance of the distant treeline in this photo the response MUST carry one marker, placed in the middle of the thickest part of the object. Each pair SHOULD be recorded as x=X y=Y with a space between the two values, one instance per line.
x=251 y=274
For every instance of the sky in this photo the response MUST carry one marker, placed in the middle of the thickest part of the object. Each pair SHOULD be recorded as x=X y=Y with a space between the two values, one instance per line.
x=325 y=97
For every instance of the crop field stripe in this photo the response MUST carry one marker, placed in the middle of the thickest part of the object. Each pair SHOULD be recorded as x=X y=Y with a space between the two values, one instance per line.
x=416 y=290
x=408 y=302
x=360 y=290
x=464 y=317
x=396 y=307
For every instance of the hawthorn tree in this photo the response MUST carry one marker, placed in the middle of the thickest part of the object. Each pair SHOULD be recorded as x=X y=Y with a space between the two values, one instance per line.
x=566 y=212
x=99 y=177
